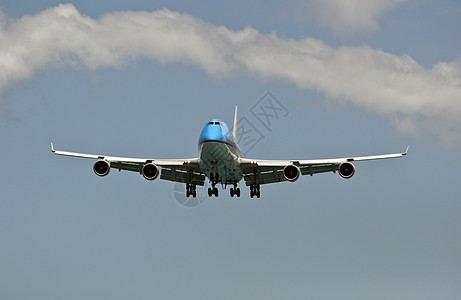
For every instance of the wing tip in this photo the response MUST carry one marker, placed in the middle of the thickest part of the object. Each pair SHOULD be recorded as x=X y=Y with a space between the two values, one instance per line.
x=406 y=151
x=52 y=148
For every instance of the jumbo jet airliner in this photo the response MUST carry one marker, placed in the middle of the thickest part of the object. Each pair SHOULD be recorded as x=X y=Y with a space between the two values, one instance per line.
x=220 y=160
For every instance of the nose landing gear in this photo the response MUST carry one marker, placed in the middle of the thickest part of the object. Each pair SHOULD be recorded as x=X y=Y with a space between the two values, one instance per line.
x=214 y=178
x=235 y=191
x=213 y=191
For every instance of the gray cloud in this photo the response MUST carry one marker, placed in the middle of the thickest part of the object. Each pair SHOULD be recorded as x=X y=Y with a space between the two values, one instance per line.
x=412 y=97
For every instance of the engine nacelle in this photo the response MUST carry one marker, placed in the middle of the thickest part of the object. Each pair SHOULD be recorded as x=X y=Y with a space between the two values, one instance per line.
x=346 y=170
x=150 y=171
x=291 y=172
x=101 y=168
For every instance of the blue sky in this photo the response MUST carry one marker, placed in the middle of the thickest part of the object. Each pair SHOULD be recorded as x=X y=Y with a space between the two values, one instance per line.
x=141 y=78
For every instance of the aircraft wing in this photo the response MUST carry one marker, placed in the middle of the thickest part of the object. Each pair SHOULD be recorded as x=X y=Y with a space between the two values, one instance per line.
x=177 y=170
x=257 y=171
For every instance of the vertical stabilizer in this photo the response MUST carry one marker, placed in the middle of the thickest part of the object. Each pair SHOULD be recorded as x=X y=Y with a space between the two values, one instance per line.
x=234 y=129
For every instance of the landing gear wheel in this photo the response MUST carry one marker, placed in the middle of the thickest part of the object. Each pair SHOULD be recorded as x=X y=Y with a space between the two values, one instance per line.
x=191 y=190
x=212 y=191
x=255 y=190
x=235 y=192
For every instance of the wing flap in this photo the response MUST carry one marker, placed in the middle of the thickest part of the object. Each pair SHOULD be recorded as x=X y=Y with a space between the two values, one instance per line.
x=316 y=169
x=264 y=177
x=179 y=175
x=128 y=166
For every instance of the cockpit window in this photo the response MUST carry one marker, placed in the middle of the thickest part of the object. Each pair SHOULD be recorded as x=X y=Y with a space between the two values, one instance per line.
x=214 y=123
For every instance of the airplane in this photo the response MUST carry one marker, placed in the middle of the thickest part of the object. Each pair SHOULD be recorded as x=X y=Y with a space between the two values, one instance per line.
x=220 y=160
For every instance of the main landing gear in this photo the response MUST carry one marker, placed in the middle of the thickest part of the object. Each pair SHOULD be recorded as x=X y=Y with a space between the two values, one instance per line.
x=255 y=190
x=191 y=190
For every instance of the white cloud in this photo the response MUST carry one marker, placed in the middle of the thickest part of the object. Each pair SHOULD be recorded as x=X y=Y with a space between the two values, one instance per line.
x=350 y=17
x=412 y=97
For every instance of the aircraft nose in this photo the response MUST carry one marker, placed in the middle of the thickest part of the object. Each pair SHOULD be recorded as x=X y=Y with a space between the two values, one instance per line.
x=212 y=133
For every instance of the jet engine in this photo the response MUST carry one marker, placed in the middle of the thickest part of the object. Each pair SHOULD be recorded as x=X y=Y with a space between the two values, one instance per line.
x=150 y=171
x=346 y=170
x=291 y=172
x=101 y=168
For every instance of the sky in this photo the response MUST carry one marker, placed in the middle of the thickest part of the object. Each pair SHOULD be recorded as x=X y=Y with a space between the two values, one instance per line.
x=141 y=79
